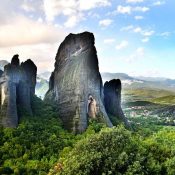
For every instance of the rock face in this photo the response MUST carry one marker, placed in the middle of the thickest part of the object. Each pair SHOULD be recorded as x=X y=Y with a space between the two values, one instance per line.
x=75 y=79
x=112 y=100
x=17 y=86
x=2 y=64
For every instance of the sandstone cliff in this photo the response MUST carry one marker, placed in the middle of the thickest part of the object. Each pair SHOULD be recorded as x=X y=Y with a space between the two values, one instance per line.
x=17 y=86
x=75 y=85
x=112 y=100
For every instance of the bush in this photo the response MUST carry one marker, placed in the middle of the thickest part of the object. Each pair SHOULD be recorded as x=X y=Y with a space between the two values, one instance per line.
x=121 y=152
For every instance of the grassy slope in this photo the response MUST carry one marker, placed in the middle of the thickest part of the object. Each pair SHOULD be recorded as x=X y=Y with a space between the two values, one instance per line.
x=165 y=100
x=148 y=94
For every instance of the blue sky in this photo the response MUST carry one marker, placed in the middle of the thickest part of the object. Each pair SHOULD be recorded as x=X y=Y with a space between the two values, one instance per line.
x=132 y=36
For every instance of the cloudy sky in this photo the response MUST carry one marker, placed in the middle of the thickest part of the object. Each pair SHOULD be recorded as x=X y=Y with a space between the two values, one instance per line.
x=132 y=36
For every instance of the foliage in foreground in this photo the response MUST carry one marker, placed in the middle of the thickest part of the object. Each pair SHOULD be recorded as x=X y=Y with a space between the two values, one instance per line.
x=40 y=141
x=34 y=146
x=118 y=151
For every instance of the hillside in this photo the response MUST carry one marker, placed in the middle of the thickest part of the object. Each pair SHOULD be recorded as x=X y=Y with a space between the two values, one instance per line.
x=132 y=83
x=134 y=88
x=165 y=100
x=145 y=94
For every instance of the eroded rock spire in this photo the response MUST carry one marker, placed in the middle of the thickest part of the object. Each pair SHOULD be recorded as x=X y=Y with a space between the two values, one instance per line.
x=17 y=86
x=76 y=77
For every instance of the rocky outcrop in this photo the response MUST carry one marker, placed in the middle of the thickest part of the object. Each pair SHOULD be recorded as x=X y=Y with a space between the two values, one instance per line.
x=112 y=100
x=2 y=64
x=75 y=81
x=17 y=86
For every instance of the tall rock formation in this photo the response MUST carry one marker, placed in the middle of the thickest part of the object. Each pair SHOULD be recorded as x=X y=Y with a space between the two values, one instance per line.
x=112 y=100
x=17 y=86
x=76 y=85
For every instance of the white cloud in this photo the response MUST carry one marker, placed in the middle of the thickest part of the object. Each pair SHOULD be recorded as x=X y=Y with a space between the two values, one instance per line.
x=129 y=9
x=134 y=1
x=27 y=7
x=40 y=20
x=90 y=4
x=148 y=33
x=30 y=37
x=127 y=28
x=122 y=45
x=109 y=41
x=21 y=30
x=70 y=9
x=137 y=55
x=105 y=22
x=73 y=20
x=141 y=9
x=138 y=17
x=140 y=51
x=158 y=3
x=43 y=55
x=145 y=33
x=124 y=9
x=53 y=8
x=137 y=30
x=145 y=40
x=165 y=34
x=94 y=15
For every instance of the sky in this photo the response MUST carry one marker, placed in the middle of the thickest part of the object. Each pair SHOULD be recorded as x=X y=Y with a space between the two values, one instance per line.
x=136 y=37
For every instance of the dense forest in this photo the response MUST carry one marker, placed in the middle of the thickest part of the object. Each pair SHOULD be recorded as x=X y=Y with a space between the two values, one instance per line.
x=34 y=146
x=40 y=145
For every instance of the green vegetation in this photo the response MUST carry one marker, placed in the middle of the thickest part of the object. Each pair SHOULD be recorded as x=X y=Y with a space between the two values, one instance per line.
x=165 y=100
x=119 y=151
x=39 y=145
x=34 y=146
x=138 y=103
x=145 y=94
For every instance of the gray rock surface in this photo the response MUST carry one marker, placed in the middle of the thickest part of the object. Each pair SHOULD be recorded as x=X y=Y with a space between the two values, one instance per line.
x=112 y=100
x=2 y=64
x=76 y=77
x=17 y=86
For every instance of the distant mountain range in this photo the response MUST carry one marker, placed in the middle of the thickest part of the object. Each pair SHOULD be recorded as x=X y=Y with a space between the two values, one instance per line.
x=45 y=75
x=147 y=84
x=42 y=86
x=128 y=82
x=106 y=76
